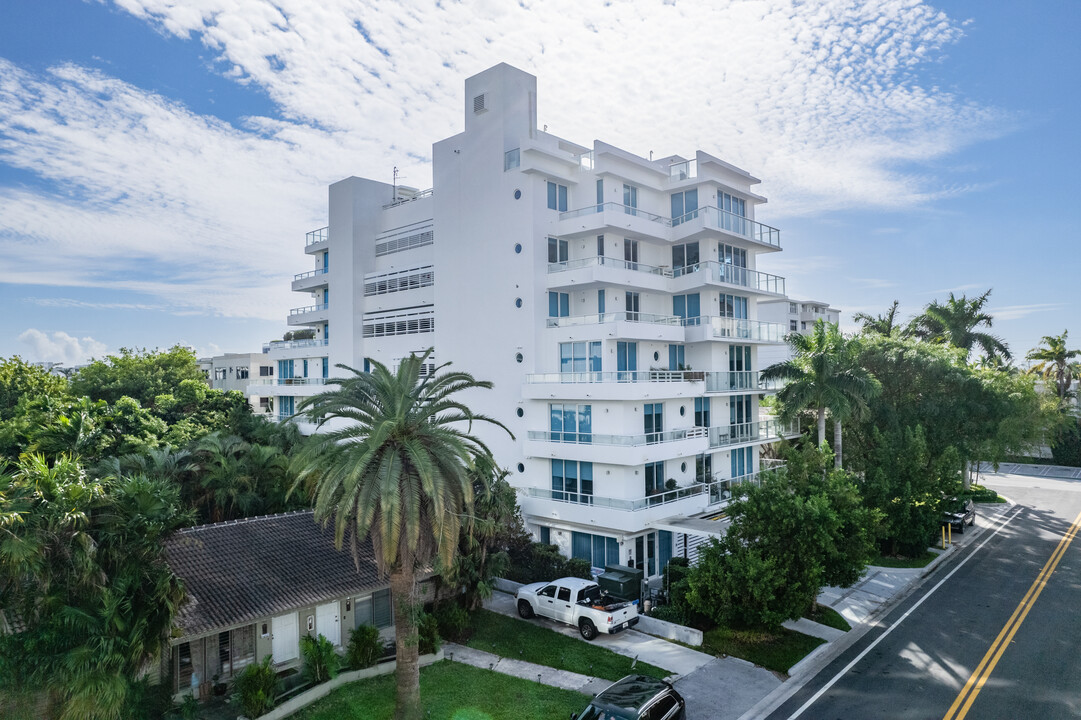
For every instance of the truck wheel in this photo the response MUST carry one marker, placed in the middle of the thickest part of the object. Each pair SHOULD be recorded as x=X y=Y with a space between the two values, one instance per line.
x=525 y=609
x=587 y=628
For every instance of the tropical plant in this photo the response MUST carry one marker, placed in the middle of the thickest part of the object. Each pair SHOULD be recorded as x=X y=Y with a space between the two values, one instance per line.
x=256 y=688
x=428 y=634
x=364 y=647
x=955 y=323
x=139 y=374
x=1055 y=363
x=823 y=373
x=321 y=663
x=884 y=324
x=394 y=466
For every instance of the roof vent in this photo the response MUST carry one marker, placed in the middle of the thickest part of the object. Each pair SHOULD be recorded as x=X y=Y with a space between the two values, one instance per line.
x=479 y=103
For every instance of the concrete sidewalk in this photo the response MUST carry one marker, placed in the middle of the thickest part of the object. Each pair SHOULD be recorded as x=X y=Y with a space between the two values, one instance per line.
x=526 y=670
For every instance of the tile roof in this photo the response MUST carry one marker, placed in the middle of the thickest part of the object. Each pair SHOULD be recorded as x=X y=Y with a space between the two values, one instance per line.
x=242 y=571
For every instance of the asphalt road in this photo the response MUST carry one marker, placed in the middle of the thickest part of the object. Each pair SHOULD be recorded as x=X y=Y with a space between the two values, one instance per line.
x=995 y=633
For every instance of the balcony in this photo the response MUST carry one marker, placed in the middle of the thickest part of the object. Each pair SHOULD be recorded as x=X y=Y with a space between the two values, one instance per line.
x=713 y=272
x=310 y=315
x=628 y=385
x=698 y=222
x=289 y=381
x=315 y=238
x=761 y=431
x=700 y=329
x=294 y=344
x=629 y=325
x=600 y=270
x=310 y=280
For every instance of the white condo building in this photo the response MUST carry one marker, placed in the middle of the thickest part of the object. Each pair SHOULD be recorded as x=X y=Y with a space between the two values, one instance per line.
x=611 y=299
x=795 y=316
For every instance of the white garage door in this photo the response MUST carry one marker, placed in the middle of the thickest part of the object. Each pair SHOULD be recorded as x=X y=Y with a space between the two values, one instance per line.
x=285 y=644
x=326 y=623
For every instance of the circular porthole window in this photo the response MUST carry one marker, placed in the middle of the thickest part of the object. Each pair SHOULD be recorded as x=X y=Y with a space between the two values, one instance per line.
x=682 y=411
x=518 y=302
x=517 y=194
x=519 y=357
x=521 y=467
x=521 y=412
x=517 y=247
x=656 y=356
x=683 y=467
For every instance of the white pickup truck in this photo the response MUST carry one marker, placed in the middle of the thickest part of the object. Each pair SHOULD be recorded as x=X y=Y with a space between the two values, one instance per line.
x=579 y=603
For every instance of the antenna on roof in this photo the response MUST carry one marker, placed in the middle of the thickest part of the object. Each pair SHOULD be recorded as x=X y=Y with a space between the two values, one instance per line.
x=394 y=186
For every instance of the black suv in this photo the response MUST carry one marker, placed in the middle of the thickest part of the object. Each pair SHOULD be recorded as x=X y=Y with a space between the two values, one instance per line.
x=635 y=697
x=958 y=513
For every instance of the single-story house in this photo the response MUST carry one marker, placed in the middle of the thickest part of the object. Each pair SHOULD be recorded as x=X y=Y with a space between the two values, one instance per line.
x=255 y=586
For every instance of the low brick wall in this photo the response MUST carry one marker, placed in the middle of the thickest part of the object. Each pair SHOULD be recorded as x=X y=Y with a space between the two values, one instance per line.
x=669 y=631
x=307 y=697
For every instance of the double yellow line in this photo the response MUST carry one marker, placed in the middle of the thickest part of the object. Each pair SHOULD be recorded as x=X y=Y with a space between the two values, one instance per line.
x=983 y=671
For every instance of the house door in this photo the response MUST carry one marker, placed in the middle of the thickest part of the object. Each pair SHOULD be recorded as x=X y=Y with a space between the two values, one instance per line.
x=285 y=645
x=327 y=624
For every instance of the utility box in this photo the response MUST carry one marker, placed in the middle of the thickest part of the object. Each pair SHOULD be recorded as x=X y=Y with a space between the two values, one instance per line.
x=622 y=581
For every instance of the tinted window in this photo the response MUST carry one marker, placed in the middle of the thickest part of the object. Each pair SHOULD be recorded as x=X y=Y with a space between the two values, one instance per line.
x=564 y=594
x=549 y=591
x=661 y=709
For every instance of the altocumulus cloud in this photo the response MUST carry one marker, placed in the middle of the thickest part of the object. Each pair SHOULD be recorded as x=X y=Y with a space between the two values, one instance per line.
x=58 y=346
x=821 y=99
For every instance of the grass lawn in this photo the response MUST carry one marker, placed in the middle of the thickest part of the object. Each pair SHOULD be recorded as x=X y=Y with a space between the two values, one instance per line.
x=829 y=617
x=777 y=650
x=450 y=690
x=982 y=494
x=899 y=561
x=521 y=640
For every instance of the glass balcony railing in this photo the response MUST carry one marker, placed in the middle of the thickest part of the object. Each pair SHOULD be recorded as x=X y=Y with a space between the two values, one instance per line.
x=752 y=432
x=717 y=491
x=740 y=329
x=713 y=217
x=654 y=438
x=595 y=318
x=293 y=344
x=310 y=273
x=737 y=381
x=315 y=236
x=610 y=263
x=308 y=309
x=711 y=269
x=289 y=381
x=615 y=207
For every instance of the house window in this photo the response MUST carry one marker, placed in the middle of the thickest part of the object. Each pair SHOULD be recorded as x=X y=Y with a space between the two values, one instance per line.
x=684 y=206
x=676 y=357
x=326 y=367
x=632 y=303
x=653 y=421
x=266 y=371
x=559 y=304
x=184 y=662
x=571 y=423
x=733 y=264
x=600 y=196
x=326 y=331
x=600 y=246
x=557 y=250
x=287 y=407
x=236 y=650
x=732 y=204
x=557 y=196
x=600 y=301
x=630 y=253
x=572 y=481
x=326 y=260
x=685 y=259
x=374 y=610
x=305 y=367
x=598 y=549
x=654 y=478
x=792 y=308
x=740 y=409
x=579 y=357
x=512 y=159
x=701 y=412
x=242 y=373
x=742 y=462
x=630 y=199
x=739 y=358
x=285 y=369
x=703 y=468
x=792 y=325
x=219 y=373
x=733 y=306
x=688 y=307
x=545 y=535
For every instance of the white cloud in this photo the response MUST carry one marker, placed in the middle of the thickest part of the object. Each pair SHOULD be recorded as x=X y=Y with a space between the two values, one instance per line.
x=822 y=100
x=1017 y=312
x=60 y=347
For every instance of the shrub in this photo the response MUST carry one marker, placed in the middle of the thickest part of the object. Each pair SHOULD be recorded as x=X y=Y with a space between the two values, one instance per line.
x=428 y=631
x=453 y=620
x=364 y=647
x=579 y=568
x=256 y=688
x=320 y=661
x=670 y=613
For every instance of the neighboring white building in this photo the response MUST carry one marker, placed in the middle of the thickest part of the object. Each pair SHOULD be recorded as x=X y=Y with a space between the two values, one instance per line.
x=797 y=316
x=240 y=371
x=613 y=300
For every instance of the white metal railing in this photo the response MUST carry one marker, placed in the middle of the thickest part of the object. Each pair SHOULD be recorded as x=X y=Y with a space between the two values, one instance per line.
x=308 y=309
x=293 y=344
x=315 y=236
x=639 y=317
x=713 y=270
x=419 y=196
x=736 y=380
x=608 y=262
x=289 y=381
x=310 y=273
x=713 y=217
x=615 y=207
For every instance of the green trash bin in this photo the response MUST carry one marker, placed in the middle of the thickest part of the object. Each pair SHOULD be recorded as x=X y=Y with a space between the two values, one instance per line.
x=621 y=581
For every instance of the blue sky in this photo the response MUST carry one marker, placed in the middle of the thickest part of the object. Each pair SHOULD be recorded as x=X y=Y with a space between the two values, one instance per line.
x=160 y=161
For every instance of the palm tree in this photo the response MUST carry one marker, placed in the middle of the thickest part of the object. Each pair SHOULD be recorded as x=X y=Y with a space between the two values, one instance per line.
x=884 y=324
x=823 y=374
x=1054 y=363
x=395 y=467
x=955 y=322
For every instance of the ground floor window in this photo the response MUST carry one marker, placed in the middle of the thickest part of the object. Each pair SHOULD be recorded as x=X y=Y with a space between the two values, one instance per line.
x=223 y=655
x=598 y=549
x=374 y=610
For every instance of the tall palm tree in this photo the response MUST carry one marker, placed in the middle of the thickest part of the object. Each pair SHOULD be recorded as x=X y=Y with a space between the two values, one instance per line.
x=394 y=466
x=955 y=322
x=884 y=324
x=823 y=374
x=1055 y=363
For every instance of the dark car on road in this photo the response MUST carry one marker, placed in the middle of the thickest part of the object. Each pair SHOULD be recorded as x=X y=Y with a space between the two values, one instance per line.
x=636 y=697
x=959 y=513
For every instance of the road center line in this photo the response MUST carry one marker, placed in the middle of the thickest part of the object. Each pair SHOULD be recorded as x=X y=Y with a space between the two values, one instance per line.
x=998 y=647
x=814 y=698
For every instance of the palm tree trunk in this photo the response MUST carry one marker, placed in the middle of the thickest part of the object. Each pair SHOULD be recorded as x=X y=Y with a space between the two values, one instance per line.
x=837 y=444
x=821 y=427
x=407 y=672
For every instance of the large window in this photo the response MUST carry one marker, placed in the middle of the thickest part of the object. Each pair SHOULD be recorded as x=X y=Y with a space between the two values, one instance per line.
x=559 y=304
x=685 y=258
x=732 y=204
x=512 y=159
x=701 y=412
x=572 y=481
x=579 y=357
x=571 y=423
x=742 y=461
x=740 y=409
x=630 y=253
x=630 y=199
x=598 y=549
x=654 y=478
x=733 y=264
x=374 y=610
x=688 y=307
x=653 y=420
x=733 y=306
x=632 y=303
x=285 y=369
x=739 y=358
x=703 y=468
x=557 y=196
x=626 y=359
x=684 y=206
x=557 y=250
x=676 y=357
